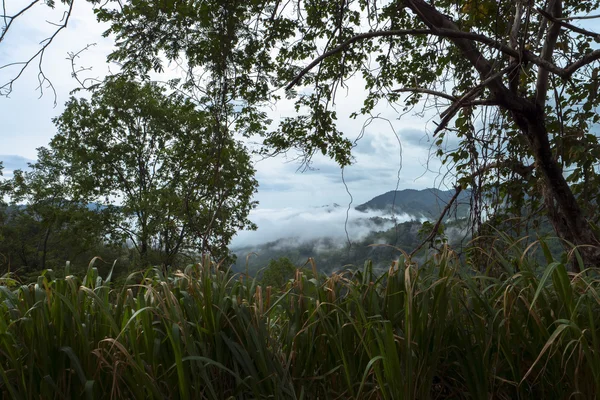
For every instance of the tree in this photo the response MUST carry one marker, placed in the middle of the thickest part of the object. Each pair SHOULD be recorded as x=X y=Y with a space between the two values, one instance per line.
x=516 y=82
x=44 y=225
x=154 y=158
x=278 y=272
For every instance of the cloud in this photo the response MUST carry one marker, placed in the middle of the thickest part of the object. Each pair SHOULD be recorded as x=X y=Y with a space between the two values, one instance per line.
x=309 y=223
x=416 y=138
x=13 y=161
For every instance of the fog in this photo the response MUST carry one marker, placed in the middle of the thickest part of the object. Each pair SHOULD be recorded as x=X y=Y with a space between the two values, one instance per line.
x=311 y=223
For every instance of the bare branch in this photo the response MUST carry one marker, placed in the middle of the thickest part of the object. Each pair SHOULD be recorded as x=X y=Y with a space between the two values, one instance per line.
x=436 y=227
x=426 y=91
x=574 y=28
x=523 y=170
x=516 y=27
x=513 y=82
x=7 y=88
x=350 y=41
x=442 y=32
x=480 y=102
x=585 y=60
x=75 y=72
x=8 y=20
x=579 y=17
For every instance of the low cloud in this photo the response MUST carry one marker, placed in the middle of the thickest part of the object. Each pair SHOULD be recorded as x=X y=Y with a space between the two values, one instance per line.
x=297 y=226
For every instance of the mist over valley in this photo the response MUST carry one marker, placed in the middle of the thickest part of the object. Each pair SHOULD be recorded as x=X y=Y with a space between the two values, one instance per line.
x=338 y=236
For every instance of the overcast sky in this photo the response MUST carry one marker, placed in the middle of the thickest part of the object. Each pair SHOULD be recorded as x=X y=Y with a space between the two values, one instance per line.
x=388 y=143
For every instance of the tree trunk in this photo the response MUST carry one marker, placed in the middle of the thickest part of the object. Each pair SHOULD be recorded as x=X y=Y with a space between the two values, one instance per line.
x=144 y=252
x=564 y=211
x=45 y=247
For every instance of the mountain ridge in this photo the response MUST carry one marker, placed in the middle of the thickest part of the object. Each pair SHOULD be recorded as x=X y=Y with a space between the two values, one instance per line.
x=378 y=234
x=426 y=203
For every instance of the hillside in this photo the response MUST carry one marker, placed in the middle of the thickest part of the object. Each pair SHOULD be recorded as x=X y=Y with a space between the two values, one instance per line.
x=333 y=254
x=426 y=203
x=333 y=250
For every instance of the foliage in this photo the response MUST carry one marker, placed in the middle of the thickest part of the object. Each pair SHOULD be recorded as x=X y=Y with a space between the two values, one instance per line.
x=45 y=225
x=516 y=83
x=278 y=272
x=179 y=185
x=436 y=331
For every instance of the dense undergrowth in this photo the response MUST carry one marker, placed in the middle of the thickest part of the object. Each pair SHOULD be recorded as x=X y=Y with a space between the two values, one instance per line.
x=438 y=330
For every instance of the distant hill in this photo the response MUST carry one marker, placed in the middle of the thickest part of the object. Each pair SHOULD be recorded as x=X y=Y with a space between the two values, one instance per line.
x=90 y=206
x=333 y=253
x=427 y=203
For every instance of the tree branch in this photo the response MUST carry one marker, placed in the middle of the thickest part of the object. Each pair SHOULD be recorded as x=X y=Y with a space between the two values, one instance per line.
x=8 y=20
x=541 y=87
x=585 y=60
x=441 y=32
x=581 y=17
x=350 y=41
x=569 y=26
x=466 y=45
x=426 y=91
x=519 y=168
x=436 y=227
x=480 y=102
x=513 y=79
x=452 y=110
x=6 y=88
x=75 y=72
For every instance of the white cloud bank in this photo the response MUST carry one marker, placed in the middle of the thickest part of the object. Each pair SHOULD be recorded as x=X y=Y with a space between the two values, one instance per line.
x=311 y=223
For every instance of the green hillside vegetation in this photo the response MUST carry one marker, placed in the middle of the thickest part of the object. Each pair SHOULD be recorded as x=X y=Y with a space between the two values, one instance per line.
x=427 y=203
x=386 y=242
x=334 y=254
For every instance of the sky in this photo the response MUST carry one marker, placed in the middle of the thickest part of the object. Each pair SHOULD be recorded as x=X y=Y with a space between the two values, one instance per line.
x=393 y=152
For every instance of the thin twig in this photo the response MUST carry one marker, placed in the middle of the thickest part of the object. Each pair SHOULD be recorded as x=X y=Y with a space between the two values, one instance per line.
x=6 y=89
x=13 y=18
x=479 y=102
x=519 y=168
x=436 y=227
x=579 y=17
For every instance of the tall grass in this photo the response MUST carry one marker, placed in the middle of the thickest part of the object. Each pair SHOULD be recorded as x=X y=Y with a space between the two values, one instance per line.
x=433 y=331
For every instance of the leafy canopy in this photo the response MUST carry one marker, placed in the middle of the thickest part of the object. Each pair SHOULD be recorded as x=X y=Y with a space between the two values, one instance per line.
x=156 y=158
x=394 y=46
x=515 y=82
x=44 y=225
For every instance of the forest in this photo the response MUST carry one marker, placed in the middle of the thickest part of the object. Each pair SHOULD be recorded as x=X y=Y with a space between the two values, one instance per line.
x=118 y=275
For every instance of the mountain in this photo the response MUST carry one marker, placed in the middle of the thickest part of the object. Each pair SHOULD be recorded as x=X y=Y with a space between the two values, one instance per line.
x=337 y=239
x=332 y=254
x=427 y=203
